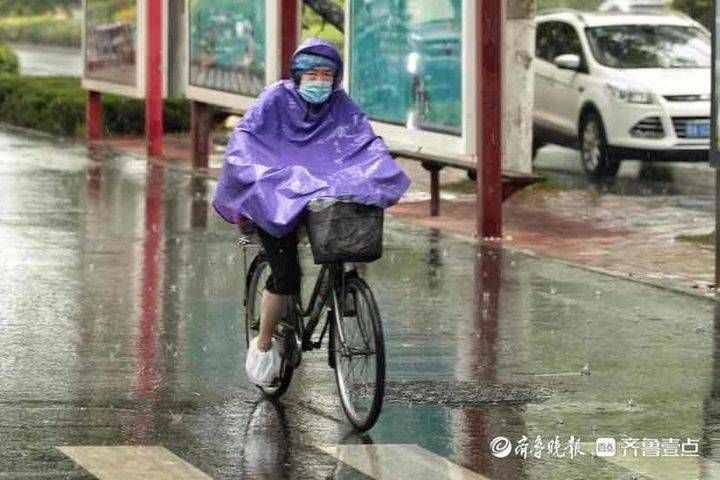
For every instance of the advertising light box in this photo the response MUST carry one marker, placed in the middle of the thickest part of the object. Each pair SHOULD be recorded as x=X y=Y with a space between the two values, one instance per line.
x=411 y=69
x=234 y=50
x=113 y=46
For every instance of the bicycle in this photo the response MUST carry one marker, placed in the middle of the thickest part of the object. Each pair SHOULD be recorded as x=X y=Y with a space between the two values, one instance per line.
x=353 y=326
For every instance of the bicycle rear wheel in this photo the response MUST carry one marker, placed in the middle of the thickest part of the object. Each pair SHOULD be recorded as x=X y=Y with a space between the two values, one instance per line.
x=359 y=354
x=259 y=275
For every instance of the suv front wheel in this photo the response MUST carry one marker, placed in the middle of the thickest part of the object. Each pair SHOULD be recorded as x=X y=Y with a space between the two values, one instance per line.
x=595 y=156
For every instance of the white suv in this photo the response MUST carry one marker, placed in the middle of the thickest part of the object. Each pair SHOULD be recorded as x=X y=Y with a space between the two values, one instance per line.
x=622 y=86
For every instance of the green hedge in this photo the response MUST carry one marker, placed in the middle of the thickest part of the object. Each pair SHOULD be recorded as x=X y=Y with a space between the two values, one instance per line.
x=41 y=29
x=8 y=60
x=57 y=105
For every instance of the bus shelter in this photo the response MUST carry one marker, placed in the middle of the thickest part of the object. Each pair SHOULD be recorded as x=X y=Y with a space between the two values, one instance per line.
x=124 y=54
x=429 y=73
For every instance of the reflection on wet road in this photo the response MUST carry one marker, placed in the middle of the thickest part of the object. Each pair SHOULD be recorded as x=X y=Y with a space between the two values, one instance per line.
x=121 y=326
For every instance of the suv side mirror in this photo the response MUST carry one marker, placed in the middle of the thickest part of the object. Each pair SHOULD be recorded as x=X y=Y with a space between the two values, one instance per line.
x=569 y=61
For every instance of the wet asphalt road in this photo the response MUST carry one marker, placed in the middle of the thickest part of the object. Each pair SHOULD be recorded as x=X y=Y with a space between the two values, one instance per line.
x=121 y=325
x=635 y=178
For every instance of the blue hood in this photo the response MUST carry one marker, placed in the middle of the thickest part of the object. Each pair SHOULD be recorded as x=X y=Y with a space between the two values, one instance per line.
x=318 y=46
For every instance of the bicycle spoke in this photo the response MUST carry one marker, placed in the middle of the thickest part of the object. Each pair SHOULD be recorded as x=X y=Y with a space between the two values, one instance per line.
x=360 y=313
x=357 y=357
x=255 y=322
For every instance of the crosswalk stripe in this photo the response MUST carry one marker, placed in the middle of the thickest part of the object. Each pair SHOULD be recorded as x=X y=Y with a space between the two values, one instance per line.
x=399 y=462
x=133 y=463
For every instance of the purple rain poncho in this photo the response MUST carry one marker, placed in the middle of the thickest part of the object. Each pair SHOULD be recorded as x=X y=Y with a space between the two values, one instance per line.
x=286 y=152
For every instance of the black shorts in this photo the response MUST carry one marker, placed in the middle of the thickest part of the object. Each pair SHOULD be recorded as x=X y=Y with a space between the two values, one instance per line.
x=285 y=270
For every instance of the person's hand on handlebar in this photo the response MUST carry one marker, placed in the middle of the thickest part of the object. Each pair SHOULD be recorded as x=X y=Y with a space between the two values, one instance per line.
x=246 y=226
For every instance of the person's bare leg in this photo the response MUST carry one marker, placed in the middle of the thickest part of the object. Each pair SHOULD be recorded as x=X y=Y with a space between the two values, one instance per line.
x=271 y=310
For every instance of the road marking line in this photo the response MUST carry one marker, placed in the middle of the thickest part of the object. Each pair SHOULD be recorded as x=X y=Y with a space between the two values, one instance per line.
x=399 y=462
x=133 y=463
x=661 y=467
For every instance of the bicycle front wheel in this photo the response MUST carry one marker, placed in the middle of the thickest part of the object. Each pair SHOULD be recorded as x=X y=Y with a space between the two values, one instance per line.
x=358 y=348
x=258 y=278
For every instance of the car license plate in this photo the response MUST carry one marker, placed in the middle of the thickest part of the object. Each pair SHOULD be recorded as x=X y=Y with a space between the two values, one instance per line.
x=698 y=129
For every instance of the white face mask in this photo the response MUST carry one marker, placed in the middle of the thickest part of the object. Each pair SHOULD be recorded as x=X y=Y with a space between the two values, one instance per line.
x=315 y=91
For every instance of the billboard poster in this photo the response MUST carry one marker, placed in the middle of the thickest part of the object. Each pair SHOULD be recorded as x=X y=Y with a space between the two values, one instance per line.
x=406 y=62
x=228 y=45
x=111 y=41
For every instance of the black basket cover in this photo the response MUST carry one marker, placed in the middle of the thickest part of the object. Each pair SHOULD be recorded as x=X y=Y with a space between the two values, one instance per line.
x=346 y=232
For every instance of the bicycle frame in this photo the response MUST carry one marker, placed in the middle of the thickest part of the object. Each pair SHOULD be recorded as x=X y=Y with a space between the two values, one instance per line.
x=300 y=323
x=318 y=299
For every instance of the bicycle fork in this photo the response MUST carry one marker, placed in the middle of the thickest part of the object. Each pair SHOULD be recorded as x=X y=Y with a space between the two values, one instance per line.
x=336 y=312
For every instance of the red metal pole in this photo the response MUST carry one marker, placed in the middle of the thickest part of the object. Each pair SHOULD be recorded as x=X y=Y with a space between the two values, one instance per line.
x=154 y=79
x=488 y=23
x=289 y=31
x=94 y=116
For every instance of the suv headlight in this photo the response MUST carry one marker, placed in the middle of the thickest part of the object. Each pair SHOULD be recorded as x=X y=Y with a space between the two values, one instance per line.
x=630 y=95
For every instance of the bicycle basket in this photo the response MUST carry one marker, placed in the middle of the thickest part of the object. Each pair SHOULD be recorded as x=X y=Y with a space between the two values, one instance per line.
x=345 y=232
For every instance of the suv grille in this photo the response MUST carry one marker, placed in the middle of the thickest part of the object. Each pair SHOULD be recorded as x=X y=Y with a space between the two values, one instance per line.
x=680 y=124
x=650 y=127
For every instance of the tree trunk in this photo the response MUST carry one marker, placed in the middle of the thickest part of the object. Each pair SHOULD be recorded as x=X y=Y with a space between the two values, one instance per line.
x=329 y=11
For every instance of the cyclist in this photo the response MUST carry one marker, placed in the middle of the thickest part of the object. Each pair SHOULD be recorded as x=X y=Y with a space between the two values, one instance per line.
x=304 y=138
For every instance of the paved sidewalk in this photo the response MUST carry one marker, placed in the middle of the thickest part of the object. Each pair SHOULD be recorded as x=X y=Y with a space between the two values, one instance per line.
x=634 y=237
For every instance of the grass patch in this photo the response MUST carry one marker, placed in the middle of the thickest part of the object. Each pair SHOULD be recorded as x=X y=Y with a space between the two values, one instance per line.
x=57 y=105
x=548 y=185
x=700 y=239
x=461 y=186
x=545 y=185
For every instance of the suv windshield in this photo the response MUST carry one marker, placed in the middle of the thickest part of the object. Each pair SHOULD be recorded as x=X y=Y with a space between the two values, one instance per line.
x=650 y=46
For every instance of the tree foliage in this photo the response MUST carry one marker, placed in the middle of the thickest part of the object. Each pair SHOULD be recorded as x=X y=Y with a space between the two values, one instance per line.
x=8 y=60
x=331 y=11
x=33 y=7
x=700 y=10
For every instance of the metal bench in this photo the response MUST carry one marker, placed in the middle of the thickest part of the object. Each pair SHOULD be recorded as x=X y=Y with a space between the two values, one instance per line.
x=512 y=181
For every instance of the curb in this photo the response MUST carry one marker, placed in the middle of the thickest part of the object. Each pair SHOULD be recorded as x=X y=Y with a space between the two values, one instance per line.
x=689 y=291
